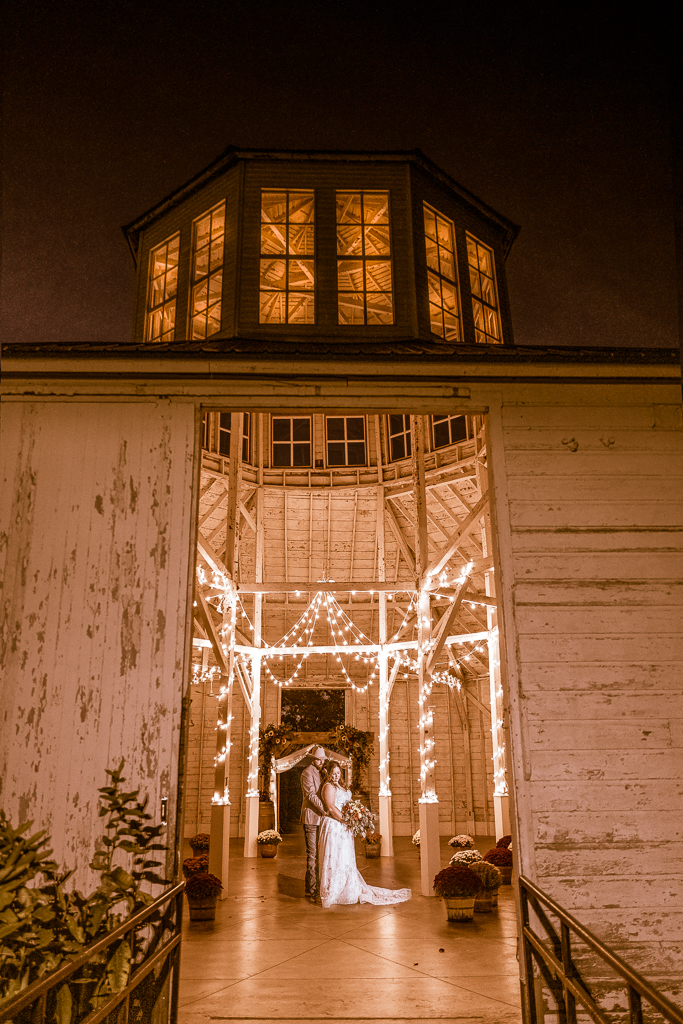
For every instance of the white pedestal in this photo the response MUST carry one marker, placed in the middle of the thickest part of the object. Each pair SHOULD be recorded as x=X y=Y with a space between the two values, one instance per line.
x=501 y=811
x=430 y=856
x=386 y=826
x=251 y=826
x=219 y=845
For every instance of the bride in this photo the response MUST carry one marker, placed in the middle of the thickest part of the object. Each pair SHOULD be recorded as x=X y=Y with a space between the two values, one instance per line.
x=340 y=879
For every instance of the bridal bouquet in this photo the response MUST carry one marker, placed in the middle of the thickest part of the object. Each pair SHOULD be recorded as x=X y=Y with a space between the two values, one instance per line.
x=358 y=819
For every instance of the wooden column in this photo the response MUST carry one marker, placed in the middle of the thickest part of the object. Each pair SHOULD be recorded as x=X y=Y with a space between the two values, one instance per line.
x=219 y=845
x=252 y=794
x=430 y=857
x=386 y=819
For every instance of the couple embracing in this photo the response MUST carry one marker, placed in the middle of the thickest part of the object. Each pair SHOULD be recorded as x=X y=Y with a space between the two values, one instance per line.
x=331 y=871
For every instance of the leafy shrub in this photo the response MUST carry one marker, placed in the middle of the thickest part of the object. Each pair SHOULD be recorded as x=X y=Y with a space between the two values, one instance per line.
x=504 y=841
x=200 y=841
x=489 y=875
x=203 y=886
x=194 y=865
x=457 y=882
x=499 y=856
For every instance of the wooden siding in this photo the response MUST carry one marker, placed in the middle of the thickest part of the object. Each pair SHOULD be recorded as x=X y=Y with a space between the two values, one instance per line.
x=589 y=501
x=96 y=514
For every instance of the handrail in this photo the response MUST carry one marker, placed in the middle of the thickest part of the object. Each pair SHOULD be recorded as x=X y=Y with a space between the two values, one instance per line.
x=38 y=989
x=561 y=974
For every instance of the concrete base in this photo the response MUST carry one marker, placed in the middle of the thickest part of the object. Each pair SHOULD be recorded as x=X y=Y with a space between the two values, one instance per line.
x=501 y=810
x=219 y=844
x=430 y=857
x=386 y=826
x=251 y=826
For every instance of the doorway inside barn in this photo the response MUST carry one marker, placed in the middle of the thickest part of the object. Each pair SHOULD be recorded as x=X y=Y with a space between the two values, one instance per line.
x=345 y=577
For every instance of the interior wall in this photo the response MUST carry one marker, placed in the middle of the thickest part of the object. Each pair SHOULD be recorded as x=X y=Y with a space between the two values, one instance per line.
x=96 y=559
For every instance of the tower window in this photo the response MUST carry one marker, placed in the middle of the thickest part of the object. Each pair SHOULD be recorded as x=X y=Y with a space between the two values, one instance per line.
x=484 y=296
x=162 y=291
x=207 y=273
x=216 y=433
x=291 y=440
x=399 y=437
x=287 y=266
x=365 y=294
x=449 y=429
x=346 y=441
x=441 y=276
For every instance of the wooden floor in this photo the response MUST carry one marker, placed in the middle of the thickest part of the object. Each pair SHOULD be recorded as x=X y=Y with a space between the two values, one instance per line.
x=273 y=956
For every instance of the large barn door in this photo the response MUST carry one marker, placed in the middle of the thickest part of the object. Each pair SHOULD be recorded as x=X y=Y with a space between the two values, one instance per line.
x=97 y=522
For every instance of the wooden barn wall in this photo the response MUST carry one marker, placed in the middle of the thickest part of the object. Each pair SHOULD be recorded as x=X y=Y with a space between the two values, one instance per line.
x=589 y=487
x=96 y=542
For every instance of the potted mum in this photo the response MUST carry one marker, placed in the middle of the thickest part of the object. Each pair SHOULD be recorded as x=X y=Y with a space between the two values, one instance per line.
x=194 y=865
x=457 y=886
x=505 y=841
x=416 y=839
x=465 y=857
x=501 y=858
x=268 y=842
x=373 y=842
x=490 y=878
x=461 y=842
x=202 y=890
x=200 y=843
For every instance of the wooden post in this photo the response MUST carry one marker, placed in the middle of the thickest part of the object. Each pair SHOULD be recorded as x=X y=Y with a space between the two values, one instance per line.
x=430 y=857
x=219 y=844
x=386 y=819
x=252 y=795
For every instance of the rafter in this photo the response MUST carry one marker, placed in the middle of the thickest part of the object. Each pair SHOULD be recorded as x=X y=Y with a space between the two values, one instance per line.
x=395 y=527
x=456 y=539
x=442 y=631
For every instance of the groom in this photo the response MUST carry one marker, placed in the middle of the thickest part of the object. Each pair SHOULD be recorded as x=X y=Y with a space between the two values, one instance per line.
x=312 y=810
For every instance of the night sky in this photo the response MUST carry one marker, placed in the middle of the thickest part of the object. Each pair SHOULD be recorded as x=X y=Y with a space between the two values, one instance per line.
x=559 y=124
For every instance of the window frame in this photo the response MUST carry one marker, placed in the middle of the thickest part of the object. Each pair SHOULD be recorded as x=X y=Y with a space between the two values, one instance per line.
x=346 y=441
x=469 y=237
x=450 y=419
x=364 y=259
x=288 y=259
x=440 y=277
x=195 y=284
x=291 y=442
x=405 y=433
x=211 y=435
x=170 y=301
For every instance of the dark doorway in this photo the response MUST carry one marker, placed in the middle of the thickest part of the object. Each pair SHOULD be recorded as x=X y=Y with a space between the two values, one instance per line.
x=309 y=711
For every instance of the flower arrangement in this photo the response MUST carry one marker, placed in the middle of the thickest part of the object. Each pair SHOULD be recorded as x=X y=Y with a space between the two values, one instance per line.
x=269 y=837
x=373 y=838
x=416 y=838
x=500 y=856
x=203 y=886
x=462 y=842
x=200 y=841
x=194 y=865
x=465 y=857
x=489 y=875
x=457 y=882
x=505 y=841
x=359 y=747
x=272 y=740
x=358 y=819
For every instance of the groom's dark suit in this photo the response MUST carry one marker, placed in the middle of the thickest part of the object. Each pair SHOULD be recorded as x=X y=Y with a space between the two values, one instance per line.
x=312 y=810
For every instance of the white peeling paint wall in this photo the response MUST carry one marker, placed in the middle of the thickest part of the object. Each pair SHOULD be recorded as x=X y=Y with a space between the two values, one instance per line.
x=96 y=520
x=589 y=500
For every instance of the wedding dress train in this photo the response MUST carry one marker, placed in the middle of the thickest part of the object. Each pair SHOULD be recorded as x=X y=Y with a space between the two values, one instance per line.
x=340 y=879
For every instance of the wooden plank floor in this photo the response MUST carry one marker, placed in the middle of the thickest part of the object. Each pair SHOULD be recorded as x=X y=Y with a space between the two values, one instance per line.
x=273 y=956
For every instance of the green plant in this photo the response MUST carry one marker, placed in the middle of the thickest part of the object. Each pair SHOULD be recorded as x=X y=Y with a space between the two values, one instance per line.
x=203 y=886
x=500 y=856
x=457 y=882
x=43 y=926
x=192 y=865
x=200 y=841
x=489 y=875
x=269 y=837
x=359 y=746
x=504 y=841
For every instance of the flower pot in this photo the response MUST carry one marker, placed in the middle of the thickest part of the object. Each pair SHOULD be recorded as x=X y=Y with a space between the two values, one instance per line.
x=202 y=909
x=372 y=850
x=507 y=875
x=483 y=903
x=459 y=908
x=268 y=849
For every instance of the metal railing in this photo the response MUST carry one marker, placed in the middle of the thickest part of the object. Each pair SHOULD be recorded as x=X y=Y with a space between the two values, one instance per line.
x=553 y=956
x=151 y=963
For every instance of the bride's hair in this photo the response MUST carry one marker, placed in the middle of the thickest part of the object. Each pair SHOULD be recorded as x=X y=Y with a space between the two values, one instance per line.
x=326 y=772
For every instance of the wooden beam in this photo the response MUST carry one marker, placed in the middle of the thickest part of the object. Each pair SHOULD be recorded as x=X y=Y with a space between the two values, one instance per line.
x=329 y=586
x=216 y=504
x=234 y=480
x=444 y=626
x=211 y=558
x=247 y=516
x=459 y=536
x=406 y=551
x=204 y=616
x=420 y=497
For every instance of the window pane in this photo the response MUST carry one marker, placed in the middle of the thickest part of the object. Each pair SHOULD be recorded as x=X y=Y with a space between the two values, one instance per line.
x=350 y=275
x=282 y=429
x=442 y=288
x=441 y=434
x=216 y=254
x=201 y=263
x=377 y=240
x=378 y=276
x=430 y=223
x=302 y=429
x=379 y=309
x=301 y=309
x=434 y=289
x=272 y=239
x=287 y=230
x=451 y=327
x=215 y=287
x=282 y=454
x=198 y=328
x=375 y=208
x=336 y=453
x=301 y=240
x=444 y=230
x=432 y=255
x=348 y=208
x=171 y=282
x=301 y=207
x=472 y=252
x=274 y=274
x=335 y=428
x=363 y=234
x=302 y=454
x=398 y=448
x=355 y=428
x=448 y=296
x=272 y=308
x=351 y=308
x=436 y=319
x=458 y=428
x=349 y=240
x=356 y=453
x=274 y=207
x=301 y=274
x=447 y=265
x=213 y=319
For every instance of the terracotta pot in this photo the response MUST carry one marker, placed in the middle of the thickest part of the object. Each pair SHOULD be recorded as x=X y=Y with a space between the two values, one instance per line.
x=507 y=875
x=202 y=909
x=268 y=849
x=483 y=903
x=372 y=850
x=459 y=908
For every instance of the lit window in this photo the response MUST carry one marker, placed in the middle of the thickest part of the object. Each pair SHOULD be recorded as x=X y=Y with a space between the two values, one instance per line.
x=163 y=287
x=364 y=258
x=224 y=434
x=345 y=440
x=291 y=440
x=448 y=430
x=484 y=297
x=207 y=273
x=399 y=437
x=287 y=279
x=441 y=276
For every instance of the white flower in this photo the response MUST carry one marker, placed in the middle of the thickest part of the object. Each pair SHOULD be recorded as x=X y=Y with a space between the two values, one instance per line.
x=269 y=836
x=465 y=857
x=462 y=842
x=416 y=838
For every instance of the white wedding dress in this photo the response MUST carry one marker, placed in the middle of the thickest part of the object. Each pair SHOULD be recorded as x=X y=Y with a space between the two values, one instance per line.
x=340 y=879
